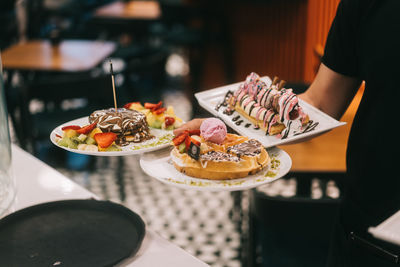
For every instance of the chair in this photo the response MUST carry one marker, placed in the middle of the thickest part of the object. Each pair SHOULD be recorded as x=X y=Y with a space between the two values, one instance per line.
x=292 y=231
x=144 y=72
x=94 y=91
x=195 y=26
x=8 y=23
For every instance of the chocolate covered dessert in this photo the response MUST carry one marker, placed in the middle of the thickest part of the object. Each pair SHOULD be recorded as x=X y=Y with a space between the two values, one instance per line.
x=129 y=125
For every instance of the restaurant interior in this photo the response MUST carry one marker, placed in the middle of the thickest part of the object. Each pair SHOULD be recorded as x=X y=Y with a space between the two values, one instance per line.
x=56 y=67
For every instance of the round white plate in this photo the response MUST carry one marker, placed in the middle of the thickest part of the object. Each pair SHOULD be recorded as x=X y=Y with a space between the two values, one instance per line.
x=162 y=139
x=159 y=166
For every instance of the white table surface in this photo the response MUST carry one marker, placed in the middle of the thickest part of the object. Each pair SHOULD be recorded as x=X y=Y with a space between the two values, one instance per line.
x=37 y=183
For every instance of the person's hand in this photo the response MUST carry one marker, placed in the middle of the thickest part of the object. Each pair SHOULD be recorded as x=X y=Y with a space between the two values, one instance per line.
x=190 y=125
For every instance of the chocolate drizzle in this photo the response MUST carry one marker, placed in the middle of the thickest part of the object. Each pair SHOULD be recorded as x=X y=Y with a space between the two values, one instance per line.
x=219 y=156
x=235 y=118
x=129 y=125
x=228 y=111
x=250 y=148
x=239 y=122
x=224 y=102
x=310 y=126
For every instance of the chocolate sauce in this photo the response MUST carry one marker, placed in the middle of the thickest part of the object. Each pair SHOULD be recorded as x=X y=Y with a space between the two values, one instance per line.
x=310 y=126
x=250 y=148
x=219 y=156
x=218 y=106
x=247 y=125
x=129 y=125
x=239 y=122
x=235 y=118
x=287 y=130
x=224 y=102
x=256 y=127
x=242 y=100
x=252 y=107
x=228 y=111
x=285 y=103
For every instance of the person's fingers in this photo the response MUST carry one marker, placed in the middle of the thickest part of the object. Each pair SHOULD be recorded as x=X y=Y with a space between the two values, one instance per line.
x=190 y=125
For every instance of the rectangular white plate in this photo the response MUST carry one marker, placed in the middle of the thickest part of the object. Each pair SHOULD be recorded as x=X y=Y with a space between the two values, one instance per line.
x=209 y=100
x=389 y=230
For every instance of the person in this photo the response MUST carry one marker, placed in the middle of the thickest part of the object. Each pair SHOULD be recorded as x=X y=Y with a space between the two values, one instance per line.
x=363 y=45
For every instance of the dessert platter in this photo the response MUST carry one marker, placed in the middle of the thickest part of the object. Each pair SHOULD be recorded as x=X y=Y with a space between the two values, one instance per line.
x=263 y=109
x=119 y=132
x=212 y=159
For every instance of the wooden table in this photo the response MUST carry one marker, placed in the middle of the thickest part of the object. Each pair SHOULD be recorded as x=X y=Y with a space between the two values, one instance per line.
x=326 y=153
x=68 y=56
x=130 y=10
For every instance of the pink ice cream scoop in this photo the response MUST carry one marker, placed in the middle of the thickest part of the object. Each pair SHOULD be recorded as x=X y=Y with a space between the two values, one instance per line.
x=213 y=130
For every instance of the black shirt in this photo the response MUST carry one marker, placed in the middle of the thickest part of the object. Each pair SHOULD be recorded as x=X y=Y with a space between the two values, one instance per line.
x=364 y=42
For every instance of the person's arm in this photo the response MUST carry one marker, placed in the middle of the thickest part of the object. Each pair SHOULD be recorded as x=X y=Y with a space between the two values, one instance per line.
x=331 y=92
x=190 y=125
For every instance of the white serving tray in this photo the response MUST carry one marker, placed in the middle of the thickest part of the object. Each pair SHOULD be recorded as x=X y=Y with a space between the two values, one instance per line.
x=209 y=100
x=389 y=230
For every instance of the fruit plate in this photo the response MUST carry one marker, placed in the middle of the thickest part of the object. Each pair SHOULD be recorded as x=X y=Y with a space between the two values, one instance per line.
x=162 y=139
x=209 y=99
x=159 y=166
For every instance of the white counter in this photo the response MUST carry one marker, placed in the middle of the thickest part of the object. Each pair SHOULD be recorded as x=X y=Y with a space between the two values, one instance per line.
x=38 y=183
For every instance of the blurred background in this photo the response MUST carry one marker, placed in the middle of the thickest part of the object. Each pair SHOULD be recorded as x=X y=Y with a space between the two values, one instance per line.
x=55 y=56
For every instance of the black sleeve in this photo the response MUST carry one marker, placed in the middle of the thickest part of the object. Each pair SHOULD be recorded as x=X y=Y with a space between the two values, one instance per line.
x=340 y=51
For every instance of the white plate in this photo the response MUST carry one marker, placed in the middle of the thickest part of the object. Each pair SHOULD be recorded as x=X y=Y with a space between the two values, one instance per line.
x=159 y=166
x=209 y=100
x=389 y=230
x=162 y=139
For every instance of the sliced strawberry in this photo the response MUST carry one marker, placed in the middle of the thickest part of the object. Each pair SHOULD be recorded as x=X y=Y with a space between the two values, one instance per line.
x=158 y=111
x=153 y=106
x=169 y=121
x=187 y=142
x=179 y=139
x=194 y=132
x=128 y=105
x=105 y=140
x=71 y=127
x=87 y=129
x=194 y=141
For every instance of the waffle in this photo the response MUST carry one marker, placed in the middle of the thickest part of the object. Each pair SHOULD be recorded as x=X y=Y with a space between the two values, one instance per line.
x=236 y=157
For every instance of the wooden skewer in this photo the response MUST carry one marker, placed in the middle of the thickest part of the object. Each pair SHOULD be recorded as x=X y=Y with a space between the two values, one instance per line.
x=113 y=86
x=275 y=80
x=281 y=84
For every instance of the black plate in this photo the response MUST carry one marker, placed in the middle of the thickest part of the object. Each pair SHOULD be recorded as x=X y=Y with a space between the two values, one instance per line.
x=70 y=233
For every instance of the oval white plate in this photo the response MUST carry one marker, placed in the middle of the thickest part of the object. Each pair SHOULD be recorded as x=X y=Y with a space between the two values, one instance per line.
x=162 y=139
x=159 y=166
x=210 y=98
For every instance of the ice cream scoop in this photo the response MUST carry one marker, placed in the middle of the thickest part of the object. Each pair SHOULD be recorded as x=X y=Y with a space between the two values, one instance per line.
x=213 y=130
